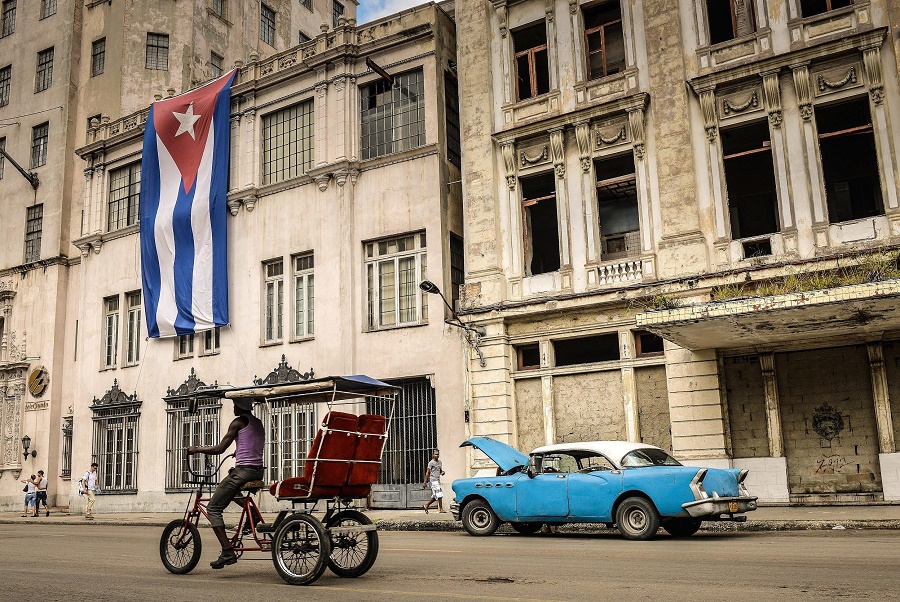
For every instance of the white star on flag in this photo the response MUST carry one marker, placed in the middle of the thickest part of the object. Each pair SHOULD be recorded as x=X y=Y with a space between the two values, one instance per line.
x=186 y=121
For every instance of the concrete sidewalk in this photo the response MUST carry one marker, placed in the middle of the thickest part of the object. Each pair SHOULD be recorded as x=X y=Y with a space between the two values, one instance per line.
x=766 y=518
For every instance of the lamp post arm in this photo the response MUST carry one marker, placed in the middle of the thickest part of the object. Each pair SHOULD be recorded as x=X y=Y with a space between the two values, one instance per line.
x=28 y=175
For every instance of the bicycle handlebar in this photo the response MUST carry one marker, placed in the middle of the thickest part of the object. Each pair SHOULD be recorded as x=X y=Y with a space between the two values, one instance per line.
x=208 y=463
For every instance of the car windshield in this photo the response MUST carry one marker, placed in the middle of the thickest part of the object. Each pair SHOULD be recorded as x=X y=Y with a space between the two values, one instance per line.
x=648 y=457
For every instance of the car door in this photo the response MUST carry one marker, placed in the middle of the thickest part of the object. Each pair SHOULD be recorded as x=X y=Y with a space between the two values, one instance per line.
x=543 y=495
x=593 y=488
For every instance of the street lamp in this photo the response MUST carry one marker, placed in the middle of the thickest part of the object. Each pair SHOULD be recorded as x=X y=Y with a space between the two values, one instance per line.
x=26 y=443
x=472 y=332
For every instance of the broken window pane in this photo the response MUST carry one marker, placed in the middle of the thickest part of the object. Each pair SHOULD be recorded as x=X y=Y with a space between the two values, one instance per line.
x=529 y=356
x=816 y=7
x=587 y=350
x=849 y=160
x=729 y=19
x=750 y=180
x=617 y=207
x=532 y=66
x=604 y=39
x=541 y=226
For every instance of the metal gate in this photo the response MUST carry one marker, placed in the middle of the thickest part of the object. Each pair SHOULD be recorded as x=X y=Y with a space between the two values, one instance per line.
x=411 y=439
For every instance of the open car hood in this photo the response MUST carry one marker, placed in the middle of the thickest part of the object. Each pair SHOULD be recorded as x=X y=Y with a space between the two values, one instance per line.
x=503 y=455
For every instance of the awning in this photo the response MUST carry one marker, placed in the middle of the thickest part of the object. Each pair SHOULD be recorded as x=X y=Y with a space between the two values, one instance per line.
x=858 y=311
x=332 y=387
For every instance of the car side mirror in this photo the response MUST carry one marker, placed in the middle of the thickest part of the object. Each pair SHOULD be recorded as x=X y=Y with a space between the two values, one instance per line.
x=530 y=472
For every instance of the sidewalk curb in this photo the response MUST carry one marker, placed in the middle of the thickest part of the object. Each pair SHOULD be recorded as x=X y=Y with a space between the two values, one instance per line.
x=389 y=524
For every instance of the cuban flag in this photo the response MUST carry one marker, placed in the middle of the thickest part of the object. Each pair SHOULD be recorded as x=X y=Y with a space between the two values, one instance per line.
x=184 y=181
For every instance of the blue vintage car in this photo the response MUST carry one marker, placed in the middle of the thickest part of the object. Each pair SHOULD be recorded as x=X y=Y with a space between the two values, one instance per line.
x=634 y=486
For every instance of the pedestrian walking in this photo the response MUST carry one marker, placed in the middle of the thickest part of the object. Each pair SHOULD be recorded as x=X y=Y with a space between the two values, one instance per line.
x=41 y=494
x=89 y=486
x=433 y=474
x=29 y=489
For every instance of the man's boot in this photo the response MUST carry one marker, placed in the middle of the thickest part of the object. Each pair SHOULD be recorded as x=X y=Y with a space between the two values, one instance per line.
x=225 y=558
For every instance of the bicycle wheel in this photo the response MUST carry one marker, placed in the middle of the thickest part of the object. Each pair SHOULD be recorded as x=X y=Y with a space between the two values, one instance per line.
x=180 y=547
x=300 y=549
x=352 y=553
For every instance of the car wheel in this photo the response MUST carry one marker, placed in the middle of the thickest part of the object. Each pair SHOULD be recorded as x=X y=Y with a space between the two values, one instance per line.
x=637 y=519
x=479 y=519
x=526 y=528
x=682 y=527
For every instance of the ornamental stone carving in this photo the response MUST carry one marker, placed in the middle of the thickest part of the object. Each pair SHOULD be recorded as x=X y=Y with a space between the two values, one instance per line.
x=872 y=64
x=708 y=106
x=636 y=125
x=543 y=155
x=803 y=89
x=190 y=385
x=557 y=145
x=583 y=137
x=509 y=158
x=322 y=181
x=772 y=97
x=283 y=373
x=116 y=397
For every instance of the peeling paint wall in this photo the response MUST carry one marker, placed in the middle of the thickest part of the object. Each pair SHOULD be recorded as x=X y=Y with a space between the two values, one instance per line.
x=745 y=392
x=828 y=420
x=653 y=406
x=589 y=407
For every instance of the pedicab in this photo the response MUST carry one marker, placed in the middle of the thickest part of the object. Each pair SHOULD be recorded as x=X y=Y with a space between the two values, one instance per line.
x=342 y=464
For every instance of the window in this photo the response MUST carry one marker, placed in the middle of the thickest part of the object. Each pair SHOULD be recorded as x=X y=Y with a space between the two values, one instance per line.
x=647 y=344
x=604 y=40
x=215 y=65
x=528 y=357
x=98 y=57
x=304 y=296
x=532 y=66
x=116 y=446
x=304 y=38
x=2 y=158
x=48 y=8
x=5 y=78
x=124 y=196
x=44 y=77
x=184 y=346
x=393 y=116
x=394 y=269
x=337 y=11
x=292 y=427
x=808 y=8
x=729 y=19
x=39 y=137
x=218 y=7
x=65 y=470
x=750 y=180
x=8 y=25
x=849 y=160
x=540 y=224
x=451 y=99
x=267 y=25
x=306 y=4
x=288 y=142
x=157 y=52
x=34 y=217
x=211 y=341
x=273 y=305
x=184 y=429
x=111 y=338
x=457 y=267
x=133 y=328
x=587 y=350
x=617 y=207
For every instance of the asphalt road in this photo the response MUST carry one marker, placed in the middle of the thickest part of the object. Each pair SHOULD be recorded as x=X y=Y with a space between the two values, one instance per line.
x=100 y=564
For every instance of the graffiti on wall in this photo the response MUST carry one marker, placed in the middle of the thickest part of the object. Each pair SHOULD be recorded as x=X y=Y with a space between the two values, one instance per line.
x=828 y=423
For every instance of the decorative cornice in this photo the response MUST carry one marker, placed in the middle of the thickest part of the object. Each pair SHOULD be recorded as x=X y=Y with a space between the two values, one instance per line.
x=190 y=385
x=116 y=397
x=283 y=373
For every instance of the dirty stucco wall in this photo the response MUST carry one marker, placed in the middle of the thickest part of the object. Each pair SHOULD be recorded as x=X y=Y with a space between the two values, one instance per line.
x=653 y=406
x=529 y=414
x=745 y=392
x=892 y=367
x=589 y=407
x=828 y=420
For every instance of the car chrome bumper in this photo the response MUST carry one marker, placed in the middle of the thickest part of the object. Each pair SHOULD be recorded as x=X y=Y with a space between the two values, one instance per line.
x=713 y=507
x=454 y=509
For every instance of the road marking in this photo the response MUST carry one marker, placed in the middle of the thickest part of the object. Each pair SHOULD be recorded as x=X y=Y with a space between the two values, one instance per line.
x=421 y=550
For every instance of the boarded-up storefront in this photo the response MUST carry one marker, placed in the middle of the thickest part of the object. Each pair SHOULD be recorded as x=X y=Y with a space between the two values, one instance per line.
x=589 y=407
x=828 y=421
x=653 y=406
x=529 y=414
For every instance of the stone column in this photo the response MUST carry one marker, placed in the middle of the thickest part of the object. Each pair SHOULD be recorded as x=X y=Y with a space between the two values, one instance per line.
x=803 y=89
x=880 y=395
x=773 y=407
x=97 y=206
x=772 y=98
x=642 y=177
x=558 y=151
x=248 y=139
x=321 y=119
x=629 y=389
x=86 y=201
x=547 y=406
x=588 y=203
x=880 y=122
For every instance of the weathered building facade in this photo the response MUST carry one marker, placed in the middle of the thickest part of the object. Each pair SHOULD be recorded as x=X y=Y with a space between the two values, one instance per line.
x=707 y=267
x=339 y=208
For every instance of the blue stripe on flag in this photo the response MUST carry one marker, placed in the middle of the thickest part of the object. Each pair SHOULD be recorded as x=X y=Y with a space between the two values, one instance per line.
x=218 y=208
x=149 y=205
x=184 y=260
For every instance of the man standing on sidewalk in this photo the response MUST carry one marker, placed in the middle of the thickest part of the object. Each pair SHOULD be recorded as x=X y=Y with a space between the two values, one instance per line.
x=89 y=486
x=41 y=493
x=433 y=479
